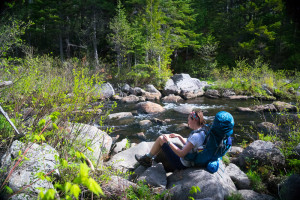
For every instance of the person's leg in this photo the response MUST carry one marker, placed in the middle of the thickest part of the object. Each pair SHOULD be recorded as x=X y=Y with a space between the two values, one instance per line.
x=146 y=160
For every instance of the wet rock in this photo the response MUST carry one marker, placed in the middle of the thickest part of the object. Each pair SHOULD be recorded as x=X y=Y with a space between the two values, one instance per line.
x=98 y=140
x=184 y=109
x=125 y=160
x=227 y=93
x=266 y=153
x=240 y=97
x=268 y=127
x=130 y=99
x=137 y=91
x=104 y=91
x=191 y=94
x=142 y=99
x=141 y=135
x=149 y=107
x=145 y=123
x=283 y=106
x=215 y=186
x=289 y=189
x=116 y=97
x=154 y=176
x=120 y=115
x=212 y=94
x=41 y=158
x=171 y=99
x=158 y=121
x=240 y=179
x=251 y=195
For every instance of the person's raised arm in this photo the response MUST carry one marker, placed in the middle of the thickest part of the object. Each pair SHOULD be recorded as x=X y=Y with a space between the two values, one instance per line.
x=179 y=152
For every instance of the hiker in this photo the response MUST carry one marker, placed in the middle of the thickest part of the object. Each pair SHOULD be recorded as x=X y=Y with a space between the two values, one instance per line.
x=174 y=154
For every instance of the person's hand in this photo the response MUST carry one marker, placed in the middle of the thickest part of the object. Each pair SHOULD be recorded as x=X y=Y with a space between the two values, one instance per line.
x=174 y=135
x=165 y=138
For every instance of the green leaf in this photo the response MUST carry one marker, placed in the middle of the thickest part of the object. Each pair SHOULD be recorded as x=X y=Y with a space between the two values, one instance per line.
x=50 y=194
x=67 y=187
x=8 y=190
x=89 y=148
x=75 y=190
x=42 y=123
x=55 y=127
x=94 y=187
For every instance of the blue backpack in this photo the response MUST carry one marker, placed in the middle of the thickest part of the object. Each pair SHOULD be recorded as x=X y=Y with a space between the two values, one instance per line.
x=217 y=142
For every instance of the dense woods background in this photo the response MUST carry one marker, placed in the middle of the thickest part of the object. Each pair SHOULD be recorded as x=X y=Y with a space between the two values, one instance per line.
x=153 y=38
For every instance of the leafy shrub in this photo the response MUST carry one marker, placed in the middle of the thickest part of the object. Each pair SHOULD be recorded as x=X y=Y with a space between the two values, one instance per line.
x=256 y=181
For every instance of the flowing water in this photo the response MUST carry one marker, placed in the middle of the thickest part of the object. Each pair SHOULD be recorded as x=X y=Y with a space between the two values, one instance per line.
x=128 y=128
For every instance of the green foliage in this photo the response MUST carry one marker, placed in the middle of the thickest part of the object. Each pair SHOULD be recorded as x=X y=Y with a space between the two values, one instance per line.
x=234 y=196
x=194 y=190
x=226 y=159
x=256 y=181
x=142 y=191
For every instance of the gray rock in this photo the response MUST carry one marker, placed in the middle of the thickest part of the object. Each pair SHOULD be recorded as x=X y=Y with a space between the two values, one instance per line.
x=98 y=140
x=155 y=176
x=152 y=96
x=212 y=94
x=283 y=106
x=125 y=88
x=185 y=82
x=240 y=179
x=215 y=186
x=120 y=146
x=267 y=89
x=265 y=152
x=151 y=88
x=137 y=173
x=251 y=195
x=116 y=187
x=184 y=109
x=21 y=196
x=200 y=84
x=125 y=160
x=137 y=91
x=104 y=91
x=149 y=107
x=41 y=158
x=120 y=115
x=171 y=88
x=234 y=150
x=289 y=189
x=268 y=127
x=191 y=94
x=130 y=99
x=227 y=93
x=171 y=98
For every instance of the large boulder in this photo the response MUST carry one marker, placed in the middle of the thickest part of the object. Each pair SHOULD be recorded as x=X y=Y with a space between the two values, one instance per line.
x=137 y=91
x=215 y=186
x=41 y=158
x=149 y=107
x=289 y=189
x=125 y=160
x=266 y=153
x=258 y=108
x=240 y=179
x=152 y=96
x=283 y=106
x=251 y=195
x=151 y=88
x=227 y=93
x=98 y=140
x=185 y=85
x=104 y=91
x=116 y=187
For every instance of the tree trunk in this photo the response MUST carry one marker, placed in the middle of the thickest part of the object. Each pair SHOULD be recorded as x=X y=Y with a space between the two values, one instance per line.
x=95 y=40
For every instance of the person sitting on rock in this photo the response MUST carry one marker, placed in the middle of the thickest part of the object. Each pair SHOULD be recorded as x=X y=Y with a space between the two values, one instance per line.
x=174 y=154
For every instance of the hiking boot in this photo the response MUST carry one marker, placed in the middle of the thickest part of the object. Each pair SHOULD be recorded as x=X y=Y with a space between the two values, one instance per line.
x=144 y=160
